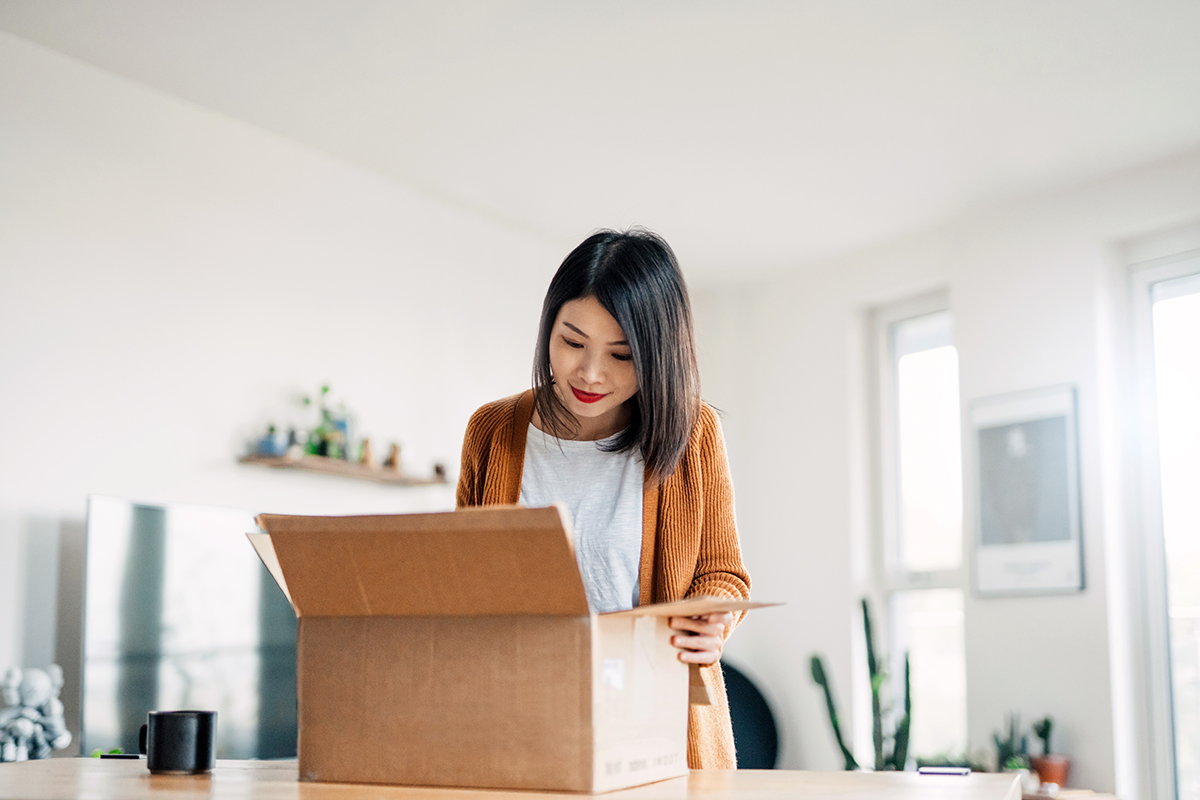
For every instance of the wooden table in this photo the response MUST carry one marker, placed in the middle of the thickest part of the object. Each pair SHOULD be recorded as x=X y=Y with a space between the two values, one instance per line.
x=88 y=778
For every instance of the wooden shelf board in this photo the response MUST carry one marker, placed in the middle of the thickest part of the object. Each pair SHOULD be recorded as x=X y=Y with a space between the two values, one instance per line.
x=346 y=469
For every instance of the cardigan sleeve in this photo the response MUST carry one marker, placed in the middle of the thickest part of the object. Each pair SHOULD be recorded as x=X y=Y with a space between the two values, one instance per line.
x=719 y=567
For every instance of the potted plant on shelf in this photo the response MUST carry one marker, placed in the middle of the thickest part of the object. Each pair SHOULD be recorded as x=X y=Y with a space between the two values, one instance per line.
x=1050 y=767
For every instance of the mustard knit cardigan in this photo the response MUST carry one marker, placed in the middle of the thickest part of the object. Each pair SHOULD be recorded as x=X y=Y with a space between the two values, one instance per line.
x=689 y=538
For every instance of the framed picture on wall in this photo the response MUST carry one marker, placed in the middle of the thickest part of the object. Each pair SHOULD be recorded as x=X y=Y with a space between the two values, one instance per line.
x=1027 y=512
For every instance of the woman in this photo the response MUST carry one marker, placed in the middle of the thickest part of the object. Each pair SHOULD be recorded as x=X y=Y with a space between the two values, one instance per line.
x=614 y=428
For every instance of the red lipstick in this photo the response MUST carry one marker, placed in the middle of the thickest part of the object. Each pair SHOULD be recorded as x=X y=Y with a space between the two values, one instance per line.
x=586 y=397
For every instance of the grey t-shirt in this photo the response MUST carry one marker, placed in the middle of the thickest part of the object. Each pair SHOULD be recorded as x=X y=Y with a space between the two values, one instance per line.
x=603 y=495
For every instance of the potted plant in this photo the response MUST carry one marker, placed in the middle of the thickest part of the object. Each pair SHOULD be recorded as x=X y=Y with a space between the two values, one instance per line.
x=1012 y=755
x=894 y=757
x=1050 y=767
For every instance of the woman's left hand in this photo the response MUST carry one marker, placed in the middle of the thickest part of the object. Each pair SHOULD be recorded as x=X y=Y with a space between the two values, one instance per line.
x=700 y=638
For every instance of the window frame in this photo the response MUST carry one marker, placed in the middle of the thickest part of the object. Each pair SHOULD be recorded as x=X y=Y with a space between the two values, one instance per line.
x=890 y=576
x=1151 y=548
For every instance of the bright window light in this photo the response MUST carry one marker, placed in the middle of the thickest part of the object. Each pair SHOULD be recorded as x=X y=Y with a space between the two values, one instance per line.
x=922 y=567
x=1177 y=369
x=928 y=625
x=929 y=535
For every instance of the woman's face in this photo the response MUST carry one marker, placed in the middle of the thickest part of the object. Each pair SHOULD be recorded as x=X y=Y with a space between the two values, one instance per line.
x=592 y=367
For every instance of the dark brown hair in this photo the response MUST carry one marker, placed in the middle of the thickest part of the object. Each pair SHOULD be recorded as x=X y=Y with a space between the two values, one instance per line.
x=635 y=277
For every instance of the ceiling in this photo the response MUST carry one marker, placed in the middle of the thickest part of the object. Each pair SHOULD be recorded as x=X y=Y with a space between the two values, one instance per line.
x=753 y=134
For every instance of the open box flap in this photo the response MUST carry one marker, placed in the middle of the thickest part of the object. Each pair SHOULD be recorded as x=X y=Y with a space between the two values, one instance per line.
x=699 y=691
x=266 y=551
x=493 y=560
x=691 y=607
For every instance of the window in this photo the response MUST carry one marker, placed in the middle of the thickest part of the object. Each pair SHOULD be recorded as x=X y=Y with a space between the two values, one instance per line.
x=1175 y=328
x=920 y=563
x=928 y=533
x=928 y=625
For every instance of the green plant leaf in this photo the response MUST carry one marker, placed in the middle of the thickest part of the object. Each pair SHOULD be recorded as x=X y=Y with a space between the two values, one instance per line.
x=819 y=677
x=818 y=671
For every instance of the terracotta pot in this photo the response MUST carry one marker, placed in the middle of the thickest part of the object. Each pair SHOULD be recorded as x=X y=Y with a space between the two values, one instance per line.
x=1051 y=768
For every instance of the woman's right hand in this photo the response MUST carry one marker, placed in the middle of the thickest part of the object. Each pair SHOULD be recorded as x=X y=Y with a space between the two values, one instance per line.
x=701 y=638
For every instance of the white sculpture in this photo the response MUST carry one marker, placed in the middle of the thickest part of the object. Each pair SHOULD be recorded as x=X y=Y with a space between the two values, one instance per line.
x=32 y=725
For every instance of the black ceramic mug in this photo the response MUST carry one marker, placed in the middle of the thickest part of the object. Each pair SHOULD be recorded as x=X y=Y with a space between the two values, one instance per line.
x=179 y=742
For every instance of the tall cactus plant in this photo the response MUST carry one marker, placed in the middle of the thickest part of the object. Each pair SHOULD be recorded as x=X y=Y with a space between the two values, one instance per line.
x=895 y=757
x=818 y=673
x=877 y=678
x=899 y=755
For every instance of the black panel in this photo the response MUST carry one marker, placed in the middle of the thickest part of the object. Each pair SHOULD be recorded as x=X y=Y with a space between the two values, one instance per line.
x=754 y=731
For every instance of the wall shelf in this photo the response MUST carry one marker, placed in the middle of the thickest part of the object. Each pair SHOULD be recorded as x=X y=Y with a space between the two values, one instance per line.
x=346 y=469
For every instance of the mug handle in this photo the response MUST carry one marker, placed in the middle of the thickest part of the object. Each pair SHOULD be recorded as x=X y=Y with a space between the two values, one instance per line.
x=142 y=739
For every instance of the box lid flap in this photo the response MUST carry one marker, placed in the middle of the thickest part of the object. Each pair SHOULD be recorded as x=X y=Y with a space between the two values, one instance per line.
x=492 y=560
x=266 y=551
x=691 y=607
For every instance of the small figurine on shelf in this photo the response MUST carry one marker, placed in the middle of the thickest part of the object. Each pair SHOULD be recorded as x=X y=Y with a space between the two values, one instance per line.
x=272 y=444
x=365 y=457
x=392 y=462
x=295 y=450
x=439 y=471
x=33 y=723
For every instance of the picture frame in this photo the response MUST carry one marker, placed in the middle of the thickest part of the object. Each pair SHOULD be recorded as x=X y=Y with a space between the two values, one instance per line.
x=1025 y=464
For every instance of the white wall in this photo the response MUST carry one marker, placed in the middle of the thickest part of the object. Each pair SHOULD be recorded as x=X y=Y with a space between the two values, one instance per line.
x=170 y=278
x=1037 y=288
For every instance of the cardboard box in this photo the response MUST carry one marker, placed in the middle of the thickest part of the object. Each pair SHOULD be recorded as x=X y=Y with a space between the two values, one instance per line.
x=457 y=649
